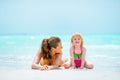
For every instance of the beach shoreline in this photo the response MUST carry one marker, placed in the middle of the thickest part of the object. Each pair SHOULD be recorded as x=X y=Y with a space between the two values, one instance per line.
x=58 y=74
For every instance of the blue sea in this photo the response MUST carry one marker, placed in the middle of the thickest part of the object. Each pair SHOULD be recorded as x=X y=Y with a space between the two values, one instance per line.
x=17 y=51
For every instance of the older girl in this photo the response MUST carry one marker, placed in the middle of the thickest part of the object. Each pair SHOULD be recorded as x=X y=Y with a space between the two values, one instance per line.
x=49 y=56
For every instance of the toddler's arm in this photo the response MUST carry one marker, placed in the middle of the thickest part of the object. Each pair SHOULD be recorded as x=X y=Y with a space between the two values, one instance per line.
x=83 y=57
x=71 y=58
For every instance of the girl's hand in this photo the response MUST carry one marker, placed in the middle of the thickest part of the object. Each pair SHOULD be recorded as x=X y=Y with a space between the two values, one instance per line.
x=81 y=67
x=65 y=60
x=66 y=66
x=44 y=67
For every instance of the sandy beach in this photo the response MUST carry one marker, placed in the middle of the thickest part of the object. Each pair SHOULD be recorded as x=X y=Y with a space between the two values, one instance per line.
x=58 y=74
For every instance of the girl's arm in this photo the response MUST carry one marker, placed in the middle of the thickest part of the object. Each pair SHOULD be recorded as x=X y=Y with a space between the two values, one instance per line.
x=58 y=61
x=62 y=62
x=83 y=57
x=67 y=65
x=36 y=65
x=71 y=57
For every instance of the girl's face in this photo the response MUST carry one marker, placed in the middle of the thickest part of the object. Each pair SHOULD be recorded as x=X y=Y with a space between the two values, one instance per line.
x=76 y=41
x=58 y=49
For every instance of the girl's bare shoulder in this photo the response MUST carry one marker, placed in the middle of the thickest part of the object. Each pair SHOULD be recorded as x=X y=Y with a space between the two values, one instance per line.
x=71 y=48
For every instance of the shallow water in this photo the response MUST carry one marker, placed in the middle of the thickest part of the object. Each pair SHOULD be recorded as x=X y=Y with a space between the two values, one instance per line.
x=18 y=51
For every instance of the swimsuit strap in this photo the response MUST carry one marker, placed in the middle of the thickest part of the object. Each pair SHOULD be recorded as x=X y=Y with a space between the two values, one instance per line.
x=81 y=49
x=74 y=49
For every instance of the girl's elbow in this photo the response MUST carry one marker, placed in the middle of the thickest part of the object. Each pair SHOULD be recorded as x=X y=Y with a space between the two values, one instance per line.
x=32 y=66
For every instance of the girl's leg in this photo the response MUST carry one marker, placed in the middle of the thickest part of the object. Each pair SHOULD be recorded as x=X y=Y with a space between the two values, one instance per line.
x=88 y=65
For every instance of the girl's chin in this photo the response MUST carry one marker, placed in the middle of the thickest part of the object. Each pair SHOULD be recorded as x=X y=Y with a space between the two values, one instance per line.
x=77 y=44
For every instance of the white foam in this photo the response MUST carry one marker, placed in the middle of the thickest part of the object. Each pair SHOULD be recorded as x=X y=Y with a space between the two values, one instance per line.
x=104 y=46
x=32 y=37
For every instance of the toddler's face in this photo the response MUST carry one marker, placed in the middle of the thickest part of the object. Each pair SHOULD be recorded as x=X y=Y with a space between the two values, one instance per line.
x=76 y=41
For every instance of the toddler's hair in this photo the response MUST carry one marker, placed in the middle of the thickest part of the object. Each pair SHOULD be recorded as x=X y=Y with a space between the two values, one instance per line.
x=79 y=35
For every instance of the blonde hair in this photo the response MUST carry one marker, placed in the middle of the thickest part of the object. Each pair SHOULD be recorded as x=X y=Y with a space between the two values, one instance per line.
x=79 y=35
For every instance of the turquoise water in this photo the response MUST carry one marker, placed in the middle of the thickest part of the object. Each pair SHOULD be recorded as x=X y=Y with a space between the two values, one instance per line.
x=18 y=51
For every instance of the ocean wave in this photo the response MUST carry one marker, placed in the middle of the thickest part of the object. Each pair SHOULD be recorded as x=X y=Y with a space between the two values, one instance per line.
x=103 y=46
x=15 y=58
x=32 y=37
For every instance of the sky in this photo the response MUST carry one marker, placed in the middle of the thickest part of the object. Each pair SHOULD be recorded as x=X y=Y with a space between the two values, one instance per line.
x=59 y=16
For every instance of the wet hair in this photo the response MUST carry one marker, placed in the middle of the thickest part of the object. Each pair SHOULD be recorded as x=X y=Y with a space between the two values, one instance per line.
x=79 y=35
x=46 y=46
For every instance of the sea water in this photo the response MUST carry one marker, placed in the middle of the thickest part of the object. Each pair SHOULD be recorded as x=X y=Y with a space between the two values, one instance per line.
x=17 y=51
